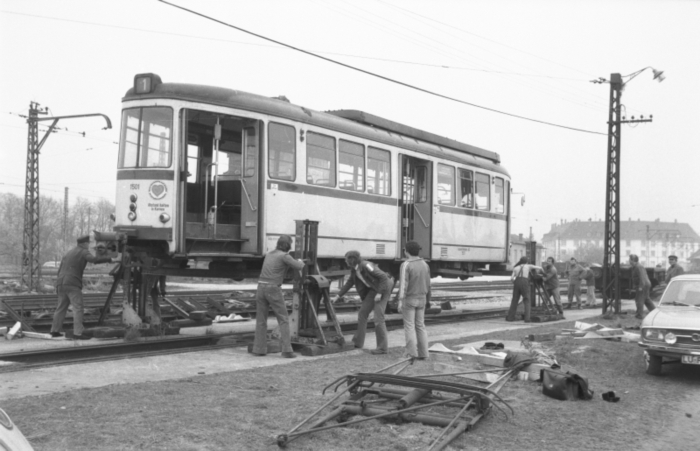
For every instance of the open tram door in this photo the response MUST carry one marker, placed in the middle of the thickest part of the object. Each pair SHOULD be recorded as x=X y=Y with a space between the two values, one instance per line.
x=221 y=184
x=416 y=203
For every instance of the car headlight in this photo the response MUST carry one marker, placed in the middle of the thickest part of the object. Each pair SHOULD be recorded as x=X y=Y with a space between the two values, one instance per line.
x=164 y=217
x=670 y=338
x=654 y=334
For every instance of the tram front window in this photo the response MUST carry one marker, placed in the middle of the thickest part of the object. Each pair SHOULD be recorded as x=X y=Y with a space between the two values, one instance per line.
x=146 y=138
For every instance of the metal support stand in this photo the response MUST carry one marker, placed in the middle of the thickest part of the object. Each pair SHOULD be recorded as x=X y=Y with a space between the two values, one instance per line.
x=310 y=288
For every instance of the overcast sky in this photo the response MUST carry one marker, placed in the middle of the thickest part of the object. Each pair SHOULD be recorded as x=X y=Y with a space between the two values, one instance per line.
x=528 y=58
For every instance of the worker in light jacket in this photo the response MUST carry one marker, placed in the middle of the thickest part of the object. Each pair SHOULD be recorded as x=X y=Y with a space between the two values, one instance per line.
x=414 y=291
x=369 y=281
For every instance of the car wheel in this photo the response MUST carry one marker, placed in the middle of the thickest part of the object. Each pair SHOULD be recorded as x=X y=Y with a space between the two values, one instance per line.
x=653 y=363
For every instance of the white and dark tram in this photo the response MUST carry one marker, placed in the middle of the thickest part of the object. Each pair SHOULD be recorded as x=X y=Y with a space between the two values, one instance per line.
x=209 y=178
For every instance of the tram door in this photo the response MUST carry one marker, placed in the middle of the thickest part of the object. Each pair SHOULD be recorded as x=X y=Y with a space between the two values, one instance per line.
x=221 y=192
x=416 y=203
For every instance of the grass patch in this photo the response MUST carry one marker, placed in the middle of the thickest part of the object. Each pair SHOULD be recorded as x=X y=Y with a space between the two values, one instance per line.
x=246 y=410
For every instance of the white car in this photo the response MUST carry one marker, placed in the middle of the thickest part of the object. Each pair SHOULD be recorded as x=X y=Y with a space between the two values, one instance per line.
x=671 y=332
x=11 y=438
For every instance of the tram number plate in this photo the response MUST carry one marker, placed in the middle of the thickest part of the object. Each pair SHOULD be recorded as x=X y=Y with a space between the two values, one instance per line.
x=691 y=359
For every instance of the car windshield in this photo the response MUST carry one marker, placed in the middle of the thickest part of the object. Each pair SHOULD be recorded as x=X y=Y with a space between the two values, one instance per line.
x=683 y=293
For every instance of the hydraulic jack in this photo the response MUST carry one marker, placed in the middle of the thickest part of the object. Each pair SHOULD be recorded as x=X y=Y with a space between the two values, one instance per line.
x=309 y=335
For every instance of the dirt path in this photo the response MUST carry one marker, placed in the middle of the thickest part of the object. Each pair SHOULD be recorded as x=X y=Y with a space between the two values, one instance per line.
x=680 y=431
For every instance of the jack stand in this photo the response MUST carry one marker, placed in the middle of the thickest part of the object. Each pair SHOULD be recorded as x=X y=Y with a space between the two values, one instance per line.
x=309 y=335
x=548 y=310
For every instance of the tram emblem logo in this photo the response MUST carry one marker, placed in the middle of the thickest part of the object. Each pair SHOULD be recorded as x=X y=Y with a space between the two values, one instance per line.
x=157 y=190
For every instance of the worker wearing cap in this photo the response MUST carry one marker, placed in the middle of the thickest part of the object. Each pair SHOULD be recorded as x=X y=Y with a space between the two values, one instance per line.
x=674 y=269
x=69 y=286
x=270 y=296
x=414 y=290
x=369 y=281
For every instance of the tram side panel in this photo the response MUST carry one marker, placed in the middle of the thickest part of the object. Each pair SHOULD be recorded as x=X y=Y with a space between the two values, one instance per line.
x=348 y=221
x=466 y=235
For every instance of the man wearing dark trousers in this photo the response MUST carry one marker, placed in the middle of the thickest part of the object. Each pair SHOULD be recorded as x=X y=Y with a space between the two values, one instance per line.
x=521 y=288
x=642 y=285
x=69 y=286
x=269 y=295
x=369 y=281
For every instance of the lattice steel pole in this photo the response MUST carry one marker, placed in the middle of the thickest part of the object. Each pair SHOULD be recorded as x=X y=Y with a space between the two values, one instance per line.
x=611 y=262
x=31 y=269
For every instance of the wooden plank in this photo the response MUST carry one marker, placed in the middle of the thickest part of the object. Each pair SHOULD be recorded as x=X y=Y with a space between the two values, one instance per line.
x=37 y=335
x=179 y=311
x=481 y=377
x=484 y=359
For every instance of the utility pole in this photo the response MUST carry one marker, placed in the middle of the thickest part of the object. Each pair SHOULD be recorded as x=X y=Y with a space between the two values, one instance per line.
x=611 y=261
x=31 y=269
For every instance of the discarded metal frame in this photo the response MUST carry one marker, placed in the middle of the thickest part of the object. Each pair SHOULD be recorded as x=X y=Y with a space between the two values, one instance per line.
x=406 y=398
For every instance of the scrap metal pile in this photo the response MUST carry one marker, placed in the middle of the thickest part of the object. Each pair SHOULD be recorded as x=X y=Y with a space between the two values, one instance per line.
x=428 y=399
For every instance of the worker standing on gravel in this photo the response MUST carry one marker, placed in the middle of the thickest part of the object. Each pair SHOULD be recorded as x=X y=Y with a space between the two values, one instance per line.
x=589 y=277
x=69 y=286
x=551 y=283
x=414 y=290
x=642 y=285
x=269 y=295
x=521 y=288
x=369 y=281
x=575 y=273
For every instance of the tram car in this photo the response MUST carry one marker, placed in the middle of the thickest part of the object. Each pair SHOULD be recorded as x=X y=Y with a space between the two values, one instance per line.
x=210 y=177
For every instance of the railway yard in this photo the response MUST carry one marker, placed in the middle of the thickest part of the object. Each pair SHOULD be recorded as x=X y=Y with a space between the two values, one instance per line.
x=38 y=374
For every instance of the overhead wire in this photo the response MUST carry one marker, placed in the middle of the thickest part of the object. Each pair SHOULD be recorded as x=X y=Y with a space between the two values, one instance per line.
x=430 y=23
x=391 y=80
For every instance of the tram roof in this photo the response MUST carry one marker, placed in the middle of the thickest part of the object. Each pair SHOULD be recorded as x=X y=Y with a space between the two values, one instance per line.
x=352 y=122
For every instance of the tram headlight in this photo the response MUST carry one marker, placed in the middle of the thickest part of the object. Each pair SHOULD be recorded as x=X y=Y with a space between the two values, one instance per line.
x=132 y=216
x=132 y=206
x=164 y=217
x=133 y=197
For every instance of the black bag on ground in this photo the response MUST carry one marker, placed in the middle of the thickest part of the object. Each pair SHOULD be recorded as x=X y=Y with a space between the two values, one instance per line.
x=564 y=386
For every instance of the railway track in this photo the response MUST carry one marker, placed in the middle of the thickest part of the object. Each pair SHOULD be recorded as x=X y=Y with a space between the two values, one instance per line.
x=27 y=360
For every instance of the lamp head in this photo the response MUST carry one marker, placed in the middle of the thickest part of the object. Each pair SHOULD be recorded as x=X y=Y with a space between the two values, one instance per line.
x=658 y=75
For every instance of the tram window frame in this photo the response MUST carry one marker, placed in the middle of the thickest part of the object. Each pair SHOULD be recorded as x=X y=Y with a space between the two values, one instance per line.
x=480 y=184
x=444 y=178
x=347 y=152
x=499 y=194
x=378 y=164
x=131 y=148
x=317 y=153
x=466 y=188
x=250 y=158
x=507 y=198
x=193 y=153
x=289 y=137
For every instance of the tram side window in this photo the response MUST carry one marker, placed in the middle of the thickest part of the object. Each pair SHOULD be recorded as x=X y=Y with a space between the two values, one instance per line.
x=378 y=171
x=466 y=181
x=482 y=191
x=320 y=159
x=351 y=166
x=500 y=200
x=146 y=138
x=446 y=183
x=282 y=151
x=192 y=162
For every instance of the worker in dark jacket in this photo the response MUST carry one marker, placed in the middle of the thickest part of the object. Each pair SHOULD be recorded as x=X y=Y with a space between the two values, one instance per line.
x=69 y=286
x=642 y=285
x=674 y=269
x=551 y=283
x=369 y=281
x=269 y=295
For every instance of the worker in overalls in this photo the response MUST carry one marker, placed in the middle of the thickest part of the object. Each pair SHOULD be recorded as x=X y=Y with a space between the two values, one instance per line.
x=369 y=281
